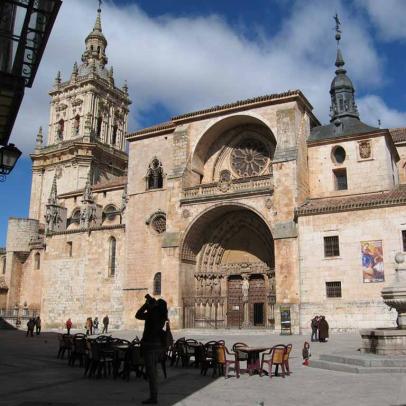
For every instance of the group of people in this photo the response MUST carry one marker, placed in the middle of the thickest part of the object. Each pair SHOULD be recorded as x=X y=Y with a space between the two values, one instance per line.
x=91 y=326
x=320 y=328
x=34 y=323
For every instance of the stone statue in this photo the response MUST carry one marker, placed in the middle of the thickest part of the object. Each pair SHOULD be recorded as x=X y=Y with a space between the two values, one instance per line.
x=216 y=287
x=245 y=288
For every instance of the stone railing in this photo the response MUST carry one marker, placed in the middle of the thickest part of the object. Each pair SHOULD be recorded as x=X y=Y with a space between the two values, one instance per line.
x=208 y=191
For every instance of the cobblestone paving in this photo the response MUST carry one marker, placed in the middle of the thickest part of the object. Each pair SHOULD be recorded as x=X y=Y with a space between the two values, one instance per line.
x=31 y=375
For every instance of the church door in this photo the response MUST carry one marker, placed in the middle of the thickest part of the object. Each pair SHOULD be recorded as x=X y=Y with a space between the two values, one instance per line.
x=235 y=309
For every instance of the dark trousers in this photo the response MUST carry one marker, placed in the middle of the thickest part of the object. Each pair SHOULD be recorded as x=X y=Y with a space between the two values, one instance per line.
x=29 y=331
x=151 y=358
x=105 y=327
x=38 y=330
x=314 y=334
x=68 y=330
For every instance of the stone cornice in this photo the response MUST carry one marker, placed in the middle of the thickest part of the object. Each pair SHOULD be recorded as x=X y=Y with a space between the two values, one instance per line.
x=241 y=105
x=312 y=207
x=88 y=230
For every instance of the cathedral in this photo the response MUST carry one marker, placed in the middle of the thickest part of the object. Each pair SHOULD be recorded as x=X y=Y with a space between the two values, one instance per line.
x=251 y=214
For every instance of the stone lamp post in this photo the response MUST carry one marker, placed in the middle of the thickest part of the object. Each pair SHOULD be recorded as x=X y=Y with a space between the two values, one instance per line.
x=394 y=295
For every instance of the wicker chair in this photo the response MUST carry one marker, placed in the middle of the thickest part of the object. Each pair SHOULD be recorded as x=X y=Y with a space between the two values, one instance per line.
x=276 y=357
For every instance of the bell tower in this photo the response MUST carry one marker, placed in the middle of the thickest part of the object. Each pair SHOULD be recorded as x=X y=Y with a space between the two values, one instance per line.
x=87 y=125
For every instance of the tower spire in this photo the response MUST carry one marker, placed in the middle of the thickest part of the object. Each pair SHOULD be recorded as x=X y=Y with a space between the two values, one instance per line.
x=342 y=90
x=53 y=196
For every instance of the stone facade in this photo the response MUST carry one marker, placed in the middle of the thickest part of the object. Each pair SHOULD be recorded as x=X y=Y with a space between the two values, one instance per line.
x=224 y=212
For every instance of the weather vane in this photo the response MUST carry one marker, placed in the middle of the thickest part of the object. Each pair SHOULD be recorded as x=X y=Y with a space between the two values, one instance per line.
x=100 y=3
x=338 y=31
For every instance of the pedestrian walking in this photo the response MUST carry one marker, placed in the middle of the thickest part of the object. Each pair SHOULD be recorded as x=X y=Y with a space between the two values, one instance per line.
x=106 y=322
x=96 y=325
x=38 y=326
x=30 y=327
x=153 y=342
x=306 y=353
x=323 y=329
x=315 y=326
x=68 y=325
x=89 y=326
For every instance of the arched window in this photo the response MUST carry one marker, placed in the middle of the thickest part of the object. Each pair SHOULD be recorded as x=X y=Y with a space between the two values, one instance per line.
x=157 y=284
x=76 y=124
x=4 y=265
x=112 y=256
x=99 y=126
x=155 y=175
x=114 y=136
x=75 y=217
x=37 y=260
x=110 y=212
x=60 y=129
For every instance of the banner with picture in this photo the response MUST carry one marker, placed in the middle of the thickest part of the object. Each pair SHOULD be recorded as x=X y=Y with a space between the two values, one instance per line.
x=372 y=261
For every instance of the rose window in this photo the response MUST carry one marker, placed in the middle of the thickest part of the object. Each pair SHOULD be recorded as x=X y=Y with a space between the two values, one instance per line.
x=249 y=158
x=158 y=223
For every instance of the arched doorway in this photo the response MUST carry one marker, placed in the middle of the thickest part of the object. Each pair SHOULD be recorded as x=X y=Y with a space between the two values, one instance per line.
x=228 y=270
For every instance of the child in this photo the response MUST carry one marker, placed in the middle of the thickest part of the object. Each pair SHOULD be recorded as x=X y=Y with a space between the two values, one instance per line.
x=306 y=353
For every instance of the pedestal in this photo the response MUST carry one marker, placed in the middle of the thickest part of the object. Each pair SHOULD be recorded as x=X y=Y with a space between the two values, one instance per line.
x=384 y=341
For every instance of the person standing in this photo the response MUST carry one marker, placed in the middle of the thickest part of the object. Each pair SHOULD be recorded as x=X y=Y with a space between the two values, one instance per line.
x=68 y=325
x=155 y=314
x=306 y=353
x=314 y=325
x=323 y=329
x=30 y=327
x=105 y=324
x=38 y=326
x=89 y=326
x=96 y=325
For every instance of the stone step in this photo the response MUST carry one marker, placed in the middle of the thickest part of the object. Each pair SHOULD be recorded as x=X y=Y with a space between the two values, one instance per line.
x=355 y=369
x=366 y=360
x=5 y=325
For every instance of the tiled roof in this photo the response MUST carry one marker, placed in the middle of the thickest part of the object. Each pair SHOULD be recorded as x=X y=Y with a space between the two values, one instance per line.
x=238 y=105
x=3 y=284
x=398 y=134
x=396 y=197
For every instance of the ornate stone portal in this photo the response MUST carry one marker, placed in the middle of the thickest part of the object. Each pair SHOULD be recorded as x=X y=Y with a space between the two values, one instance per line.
x=234 y=277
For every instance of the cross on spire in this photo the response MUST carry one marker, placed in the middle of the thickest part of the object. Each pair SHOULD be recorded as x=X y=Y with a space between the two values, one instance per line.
x=100 y=3
x=338 y=31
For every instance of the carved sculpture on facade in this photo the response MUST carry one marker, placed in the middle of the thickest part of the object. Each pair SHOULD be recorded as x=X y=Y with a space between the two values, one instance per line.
x=365 y=149
x=245 y=287
x=55 y=215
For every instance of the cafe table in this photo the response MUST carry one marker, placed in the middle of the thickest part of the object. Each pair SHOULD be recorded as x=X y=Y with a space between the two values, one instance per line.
x=253 y=364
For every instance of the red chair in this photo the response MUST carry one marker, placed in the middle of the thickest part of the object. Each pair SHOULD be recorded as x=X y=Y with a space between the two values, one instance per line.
x=277 y=357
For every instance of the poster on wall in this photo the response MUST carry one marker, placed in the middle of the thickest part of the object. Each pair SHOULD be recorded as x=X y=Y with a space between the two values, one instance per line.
x=372 y=261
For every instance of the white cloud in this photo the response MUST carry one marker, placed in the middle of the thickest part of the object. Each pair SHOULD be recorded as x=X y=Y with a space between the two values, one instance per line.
x=189 y=63
x=388 y=16
x=372 y=108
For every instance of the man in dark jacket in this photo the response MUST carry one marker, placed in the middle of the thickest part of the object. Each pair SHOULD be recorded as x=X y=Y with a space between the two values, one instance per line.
x=323 y=329
x=315 y=326
x=155 y=314
x=105 y=324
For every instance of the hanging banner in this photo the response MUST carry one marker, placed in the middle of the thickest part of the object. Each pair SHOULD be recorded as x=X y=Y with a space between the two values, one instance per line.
x=372 y=261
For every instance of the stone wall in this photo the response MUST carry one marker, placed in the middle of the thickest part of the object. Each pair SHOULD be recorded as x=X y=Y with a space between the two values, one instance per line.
x=360 y=304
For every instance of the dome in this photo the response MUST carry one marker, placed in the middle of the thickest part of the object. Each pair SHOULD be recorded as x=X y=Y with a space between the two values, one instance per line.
x=341 y=81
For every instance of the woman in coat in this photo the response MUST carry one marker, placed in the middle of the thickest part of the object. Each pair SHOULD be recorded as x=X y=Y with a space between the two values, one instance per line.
x=323 y=329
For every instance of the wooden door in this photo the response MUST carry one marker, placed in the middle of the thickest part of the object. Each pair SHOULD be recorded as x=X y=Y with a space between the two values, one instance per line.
x=257 y=300
x=235 y=309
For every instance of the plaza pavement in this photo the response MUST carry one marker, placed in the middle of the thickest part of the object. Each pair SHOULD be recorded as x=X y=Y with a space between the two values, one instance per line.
x=31 y=375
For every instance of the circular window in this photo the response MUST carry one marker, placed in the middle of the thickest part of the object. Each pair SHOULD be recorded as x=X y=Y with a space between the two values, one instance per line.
x=249 y=158
x=339 y=155
x=158 y=223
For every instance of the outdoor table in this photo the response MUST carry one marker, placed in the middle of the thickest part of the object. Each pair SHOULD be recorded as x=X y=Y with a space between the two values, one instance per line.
x=253 y=364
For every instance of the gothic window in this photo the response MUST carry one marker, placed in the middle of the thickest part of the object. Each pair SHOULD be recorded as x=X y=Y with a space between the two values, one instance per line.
x=69 y=248
x=403 y=243
x=99 y=126
x=75 y=217
x=157 y=284
x=114 y=136
x=76 y=124
x=4 y=265
x=249 y=158
x=112 y=256
x=339 y=154
x=155 y=175
x=60 y=129
x=37 y=260
x=110 y=212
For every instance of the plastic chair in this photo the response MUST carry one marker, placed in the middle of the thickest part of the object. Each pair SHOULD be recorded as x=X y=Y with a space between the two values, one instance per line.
x=241 y=356
x=286 y=358
x=277 y=357
x=222 y=364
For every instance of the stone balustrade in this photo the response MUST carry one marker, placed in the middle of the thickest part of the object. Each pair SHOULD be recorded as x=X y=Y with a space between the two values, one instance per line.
x=211 y=191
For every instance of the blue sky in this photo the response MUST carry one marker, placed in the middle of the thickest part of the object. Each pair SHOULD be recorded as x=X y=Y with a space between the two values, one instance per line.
x=181 y=55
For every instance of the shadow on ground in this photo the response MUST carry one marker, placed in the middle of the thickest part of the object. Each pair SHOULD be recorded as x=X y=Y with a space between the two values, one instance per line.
x=31 y=375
